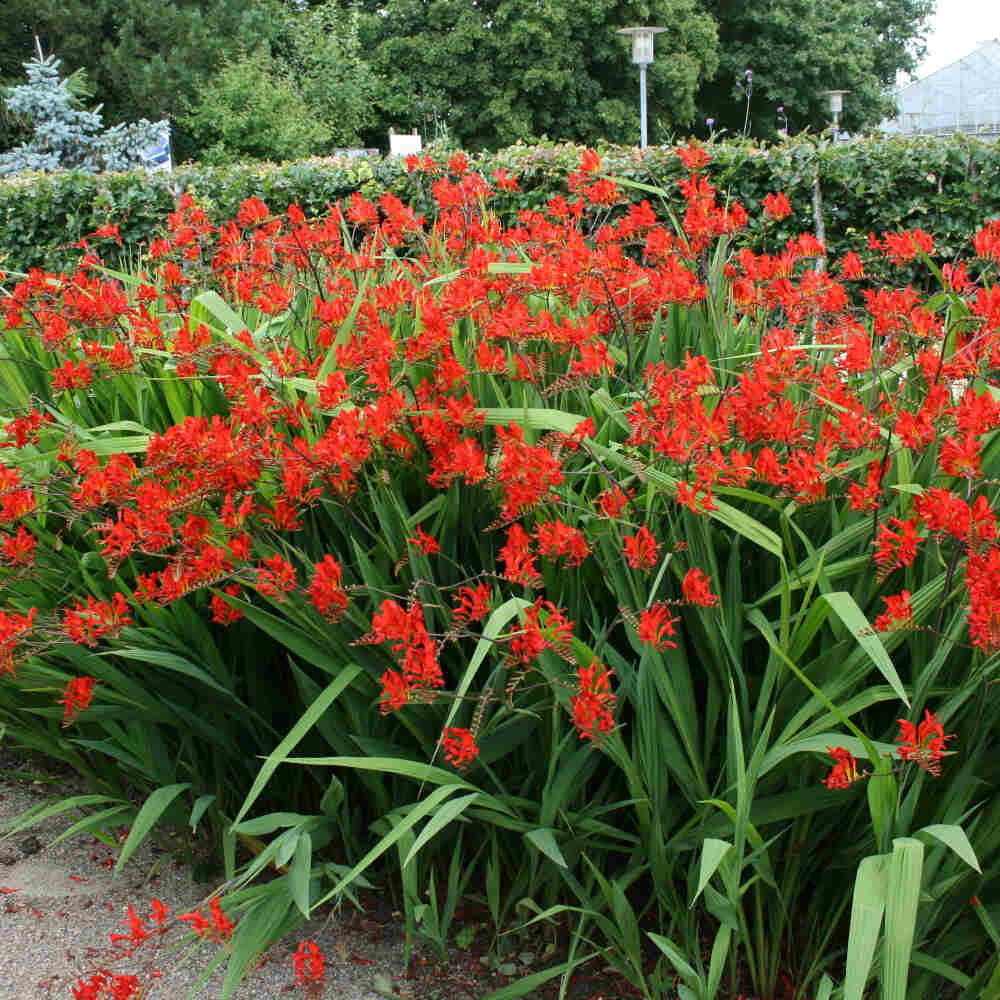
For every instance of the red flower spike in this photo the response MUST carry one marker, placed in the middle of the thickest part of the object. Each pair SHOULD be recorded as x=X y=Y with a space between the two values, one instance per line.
x=222 y=925
x=77 y=697
x=612 y=502
x=308 y=963
x=326 y=591
x=558 y=539
x=924 y=745
x=655 y=624
x=845 y=770
x=459 y=746
x=777 y=206
x=897 y=614
x=426 y=543
x=697 y=589
x=472 y=605
x=592 y=704
x=641 y=550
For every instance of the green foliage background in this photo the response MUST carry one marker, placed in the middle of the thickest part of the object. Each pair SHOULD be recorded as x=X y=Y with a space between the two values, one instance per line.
x=944 y=186
x=490 y=73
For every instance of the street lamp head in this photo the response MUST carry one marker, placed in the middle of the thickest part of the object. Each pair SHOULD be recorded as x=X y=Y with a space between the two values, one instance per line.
x=836 y=99
x=642 y=43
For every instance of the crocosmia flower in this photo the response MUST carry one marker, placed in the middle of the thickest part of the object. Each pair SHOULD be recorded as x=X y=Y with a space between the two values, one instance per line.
x=641 y=549
x=777 y=206
x=459 y=746
x=923 y=744
x=76 y=698
x=592 y=706
x=845 y=770
x=655 y=625
x=308 y=963
x=697 y=589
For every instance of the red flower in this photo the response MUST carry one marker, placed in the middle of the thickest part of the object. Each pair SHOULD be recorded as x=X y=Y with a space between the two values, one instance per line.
x=591 y=706
x=199 y=924
x=326 y=592
x=641 y=549
x=518 y=560
x=896 y=548
x=252 y=212
x=693 y=156
x=473 y=605
x=504 y=180
x=697 y=590
x=777 y=206
x=122 y=987
x=159 y=913
x=613 y=501
x=275 y=577
x=426 y=543
x=19 y=548
x=526 y=473
x=851 y=268
x=960 y=457
x=558 y=539
x=86 y=623
x=845 y=771
x=308 y=963
x=220 y=924
x=898 y=613
x=655 y=624
x=76 y=697
x=924 y=745
x=395 y=692
x=224 y=613
x=72 y=376
x=459 y=746
x=591 y=162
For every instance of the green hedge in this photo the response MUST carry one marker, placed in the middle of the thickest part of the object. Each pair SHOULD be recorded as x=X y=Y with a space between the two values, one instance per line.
x=947 y=187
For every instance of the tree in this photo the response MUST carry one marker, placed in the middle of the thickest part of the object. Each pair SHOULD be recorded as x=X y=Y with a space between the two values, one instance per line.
x=253 y=109
x=67 y=26
x=66 y=136
x=797 y=49
x=496 y=71
x=321 y=49
x=159 y=54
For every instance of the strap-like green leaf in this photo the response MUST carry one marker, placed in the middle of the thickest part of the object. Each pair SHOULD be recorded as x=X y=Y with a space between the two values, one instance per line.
x=152 y=809
x=955 y=838
x=866 y=921
x=847 y=610
x=902 y=898
x=448 y=812
x=544 y=839
x=305 y=723
x=712 y=853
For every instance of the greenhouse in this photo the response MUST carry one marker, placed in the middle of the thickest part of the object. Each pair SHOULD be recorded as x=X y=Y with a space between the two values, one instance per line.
x=963 y=96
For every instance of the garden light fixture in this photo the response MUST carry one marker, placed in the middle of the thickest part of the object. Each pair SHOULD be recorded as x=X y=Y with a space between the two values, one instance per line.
x=836 y=99
x=642 y=55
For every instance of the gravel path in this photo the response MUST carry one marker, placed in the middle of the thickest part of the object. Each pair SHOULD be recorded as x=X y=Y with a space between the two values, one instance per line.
x=60 y=902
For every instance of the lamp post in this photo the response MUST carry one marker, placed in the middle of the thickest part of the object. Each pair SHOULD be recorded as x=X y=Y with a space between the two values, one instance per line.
x=642 y=56
x=836 y=99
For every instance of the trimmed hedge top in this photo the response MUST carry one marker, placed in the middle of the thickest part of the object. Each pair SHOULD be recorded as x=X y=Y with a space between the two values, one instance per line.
x=947 y=187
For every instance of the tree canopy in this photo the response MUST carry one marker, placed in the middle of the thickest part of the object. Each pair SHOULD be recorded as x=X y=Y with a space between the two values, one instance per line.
x=797 y=49
x=65 y=135
x=489 y=72
x=497 y=71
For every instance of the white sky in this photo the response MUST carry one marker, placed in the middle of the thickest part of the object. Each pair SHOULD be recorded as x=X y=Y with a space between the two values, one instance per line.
x=956 y=29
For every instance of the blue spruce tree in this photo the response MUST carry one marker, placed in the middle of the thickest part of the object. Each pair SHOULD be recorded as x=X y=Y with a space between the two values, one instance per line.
x=66 y=136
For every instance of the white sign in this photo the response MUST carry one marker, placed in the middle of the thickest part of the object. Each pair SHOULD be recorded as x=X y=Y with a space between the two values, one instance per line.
x=404 y=145
x=157 y=156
